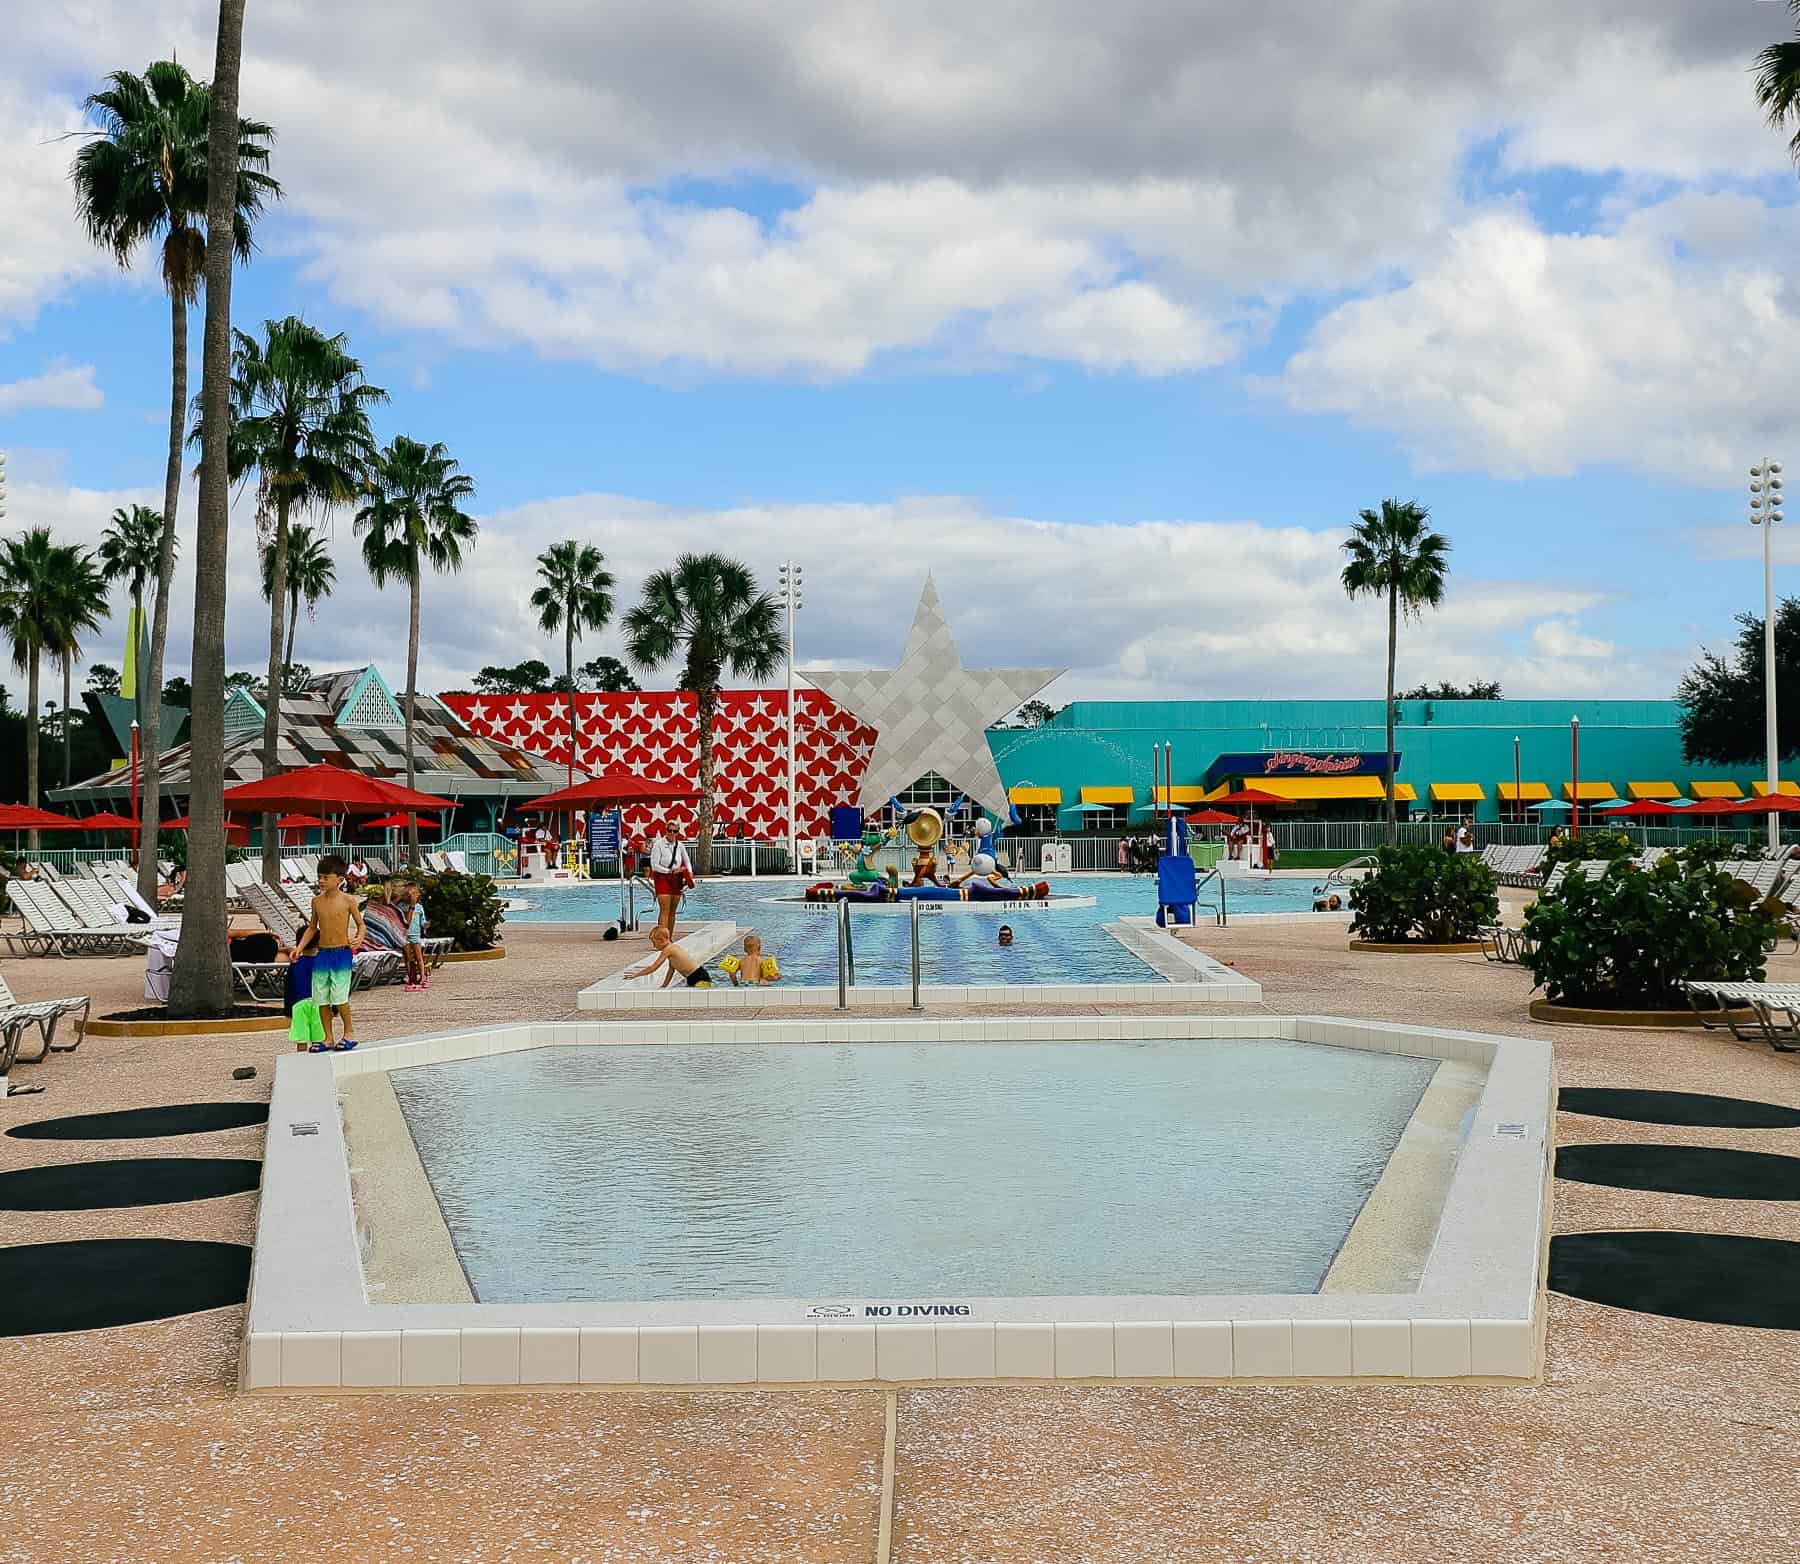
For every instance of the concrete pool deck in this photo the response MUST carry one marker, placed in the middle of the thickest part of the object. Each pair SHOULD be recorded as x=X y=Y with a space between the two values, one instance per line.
x=1649 y=1439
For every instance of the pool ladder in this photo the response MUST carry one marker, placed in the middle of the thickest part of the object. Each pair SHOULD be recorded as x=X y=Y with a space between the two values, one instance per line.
x=1216 y=878
x=846 y=954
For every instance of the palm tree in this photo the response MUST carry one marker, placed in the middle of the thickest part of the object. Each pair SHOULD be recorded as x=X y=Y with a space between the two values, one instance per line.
x=47 y=597
x=300 y=421
x=414 y=517
x=143 y=174
x=707 y=607
x=1395 y=554
x=80 y=606
x=131 y=551
x=574 y=596
x=201 y=984
x=310 y=578
x=1778 y=83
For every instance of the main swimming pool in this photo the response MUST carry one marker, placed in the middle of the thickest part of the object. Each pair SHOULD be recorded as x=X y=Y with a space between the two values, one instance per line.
x=962 y=947
x=628 y=1174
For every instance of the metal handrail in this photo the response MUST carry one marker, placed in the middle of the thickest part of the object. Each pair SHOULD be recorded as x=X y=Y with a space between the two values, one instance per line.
x=917 y=1003
x=846 y=954
x=1212 y=876
x=1338 y=876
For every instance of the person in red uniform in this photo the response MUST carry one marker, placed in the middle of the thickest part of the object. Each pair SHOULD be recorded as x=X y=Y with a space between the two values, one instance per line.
x=671 y=873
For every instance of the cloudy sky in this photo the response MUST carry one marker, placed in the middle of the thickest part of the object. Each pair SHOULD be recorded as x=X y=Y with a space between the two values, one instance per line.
x=1113 y=317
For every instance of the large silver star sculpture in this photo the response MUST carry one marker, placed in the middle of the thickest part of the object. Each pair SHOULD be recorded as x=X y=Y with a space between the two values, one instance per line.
x=931 y=713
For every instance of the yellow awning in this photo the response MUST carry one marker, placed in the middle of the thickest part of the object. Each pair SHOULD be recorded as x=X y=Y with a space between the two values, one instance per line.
x=1457 y=793
x=1715 y=790
x=1638 y=790
x=1405 y=793
x=1523 y=792
x=1106 y=795
x=1789 y=788
x=1218 y=792
x=1588 y=790
x=1310 y=789
x=1034 y=795
x=1181 y=793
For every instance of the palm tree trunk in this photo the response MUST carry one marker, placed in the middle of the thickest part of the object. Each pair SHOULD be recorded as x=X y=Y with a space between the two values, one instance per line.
x=278 y=590
x=150 y=680
x=67 y=660
x=412 y=688
x=201 y=984
x=31 y=743
x=1393 y=824
x=706 y=700
x=569 y=679
x=287 y=657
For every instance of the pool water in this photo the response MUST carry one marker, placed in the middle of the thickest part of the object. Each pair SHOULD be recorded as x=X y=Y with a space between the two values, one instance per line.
x=822 y=1171
x=955 y=947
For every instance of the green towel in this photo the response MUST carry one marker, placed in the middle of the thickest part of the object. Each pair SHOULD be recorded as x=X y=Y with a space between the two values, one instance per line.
x=306 y=1027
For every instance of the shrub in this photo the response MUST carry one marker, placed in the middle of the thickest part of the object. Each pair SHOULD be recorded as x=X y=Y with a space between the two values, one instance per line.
x=1423 y=894
x=1626 y=940
x=1591 y=847
x=466 y=907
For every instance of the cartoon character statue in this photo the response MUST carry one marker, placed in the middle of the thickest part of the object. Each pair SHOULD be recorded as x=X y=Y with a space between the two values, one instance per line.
x=864 y=873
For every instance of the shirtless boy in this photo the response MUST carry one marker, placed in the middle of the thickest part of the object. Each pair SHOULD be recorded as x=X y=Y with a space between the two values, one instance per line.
x=677 y=960
x=337 y=926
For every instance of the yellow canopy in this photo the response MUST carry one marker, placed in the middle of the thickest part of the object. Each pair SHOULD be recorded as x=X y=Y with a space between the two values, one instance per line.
x=1457 y=792
x=1034 y=795
x=1523 y=792
x=1789 y=788
x=1637 y=790
x=1715 y=790
x=1405 y=793
x=1180 y=793
x=1311 y=789
x=1106 y=795
x=1594 y=790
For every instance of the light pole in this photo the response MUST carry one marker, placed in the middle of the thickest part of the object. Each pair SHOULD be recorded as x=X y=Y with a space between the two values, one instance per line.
x=1765 y=511
x=791 y=587
x=1518 y=786
x=1575 y=782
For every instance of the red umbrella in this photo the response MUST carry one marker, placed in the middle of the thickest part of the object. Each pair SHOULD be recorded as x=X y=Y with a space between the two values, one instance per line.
x=1211 y=817
x=298 y=822
x=23 y=817
x=106 y=822
x=1774 y=804
x=400 y=822
x=336 y=789
x=1644 y=807
x=617 y=787
x=1249 y=795
x=1715 y=806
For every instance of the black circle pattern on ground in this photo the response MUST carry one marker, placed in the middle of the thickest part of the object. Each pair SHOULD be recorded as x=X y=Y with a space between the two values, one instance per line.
x=1714 y=1278
x=1712 y=1171
x=179 y=1118
x=1694 y=1109
x=129 y=1181
x=94 y=1283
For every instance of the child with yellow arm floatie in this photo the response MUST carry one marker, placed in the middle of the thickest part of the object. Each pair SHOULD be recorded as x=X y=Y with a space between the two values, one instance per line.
x=753 y=967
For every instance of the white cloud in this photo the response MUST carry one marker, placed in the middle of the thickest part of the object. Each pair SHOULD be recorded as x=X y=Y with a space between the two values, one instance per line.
x=1529 y=353
x=1560 y=638
x=68 y=387
x=42 y=251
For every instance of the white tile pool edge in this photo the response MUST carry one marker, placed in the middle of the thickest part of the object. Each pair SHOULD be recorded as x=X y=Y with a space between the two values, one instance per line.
x=1477 y=1314
x=1192 y=977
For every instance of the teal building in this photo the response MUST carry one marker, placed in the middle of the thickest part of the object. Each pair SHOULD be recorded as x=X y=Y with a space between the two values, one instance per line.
x=1092 y=765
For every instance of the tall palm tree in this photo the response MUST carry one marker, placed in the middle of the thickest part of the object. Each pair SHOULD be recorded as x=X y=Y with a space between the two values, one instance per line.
x=80 y=607
x=414 y=518
x=574 y=595
x=201 y=983
x=131 y=551
x=1393 y=553
x=41 y=581
x=300 y=422
x=143 y=175
x=1778 y=83
x=311 y=576
x=709 y=609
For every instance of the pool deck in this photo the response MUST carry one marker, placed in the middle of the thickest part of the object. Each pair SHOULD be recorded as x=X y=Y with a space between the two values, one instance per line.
x=1649 y=1439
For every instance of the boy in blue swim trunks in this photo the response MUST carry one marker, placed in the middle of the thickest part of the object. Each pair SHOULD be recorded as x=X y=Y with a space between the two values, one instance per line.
x=337 y=926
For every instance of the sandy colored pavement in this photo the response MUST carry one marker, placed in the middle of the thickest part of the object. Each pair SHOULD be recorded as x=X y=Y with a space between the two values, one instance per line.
x=1652 y=1439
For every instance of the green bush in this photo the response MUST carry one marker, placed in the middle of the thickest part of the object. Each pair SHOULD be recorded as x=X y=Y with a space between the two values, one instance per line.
x=1592 y=846
x=466 y=907
x=1623 y=942
x=1423 y=894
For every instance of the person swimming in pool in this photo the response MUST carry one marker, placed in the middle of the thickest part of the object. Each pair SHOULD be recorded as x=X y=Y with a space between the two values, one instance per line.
x=670 y=954
x=1006 y=936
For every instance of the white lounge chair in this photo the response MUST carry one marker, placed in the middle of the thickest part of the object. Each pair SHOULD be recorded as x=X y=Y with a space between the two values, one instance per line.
x=52 y=926
x=16 y=1015
x=456 y=860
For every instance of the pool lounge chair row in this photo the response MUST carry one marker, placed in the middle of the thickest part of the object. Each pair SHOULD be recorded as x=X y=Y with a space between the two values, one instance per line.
x=53 y=927
x=1513 y=865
